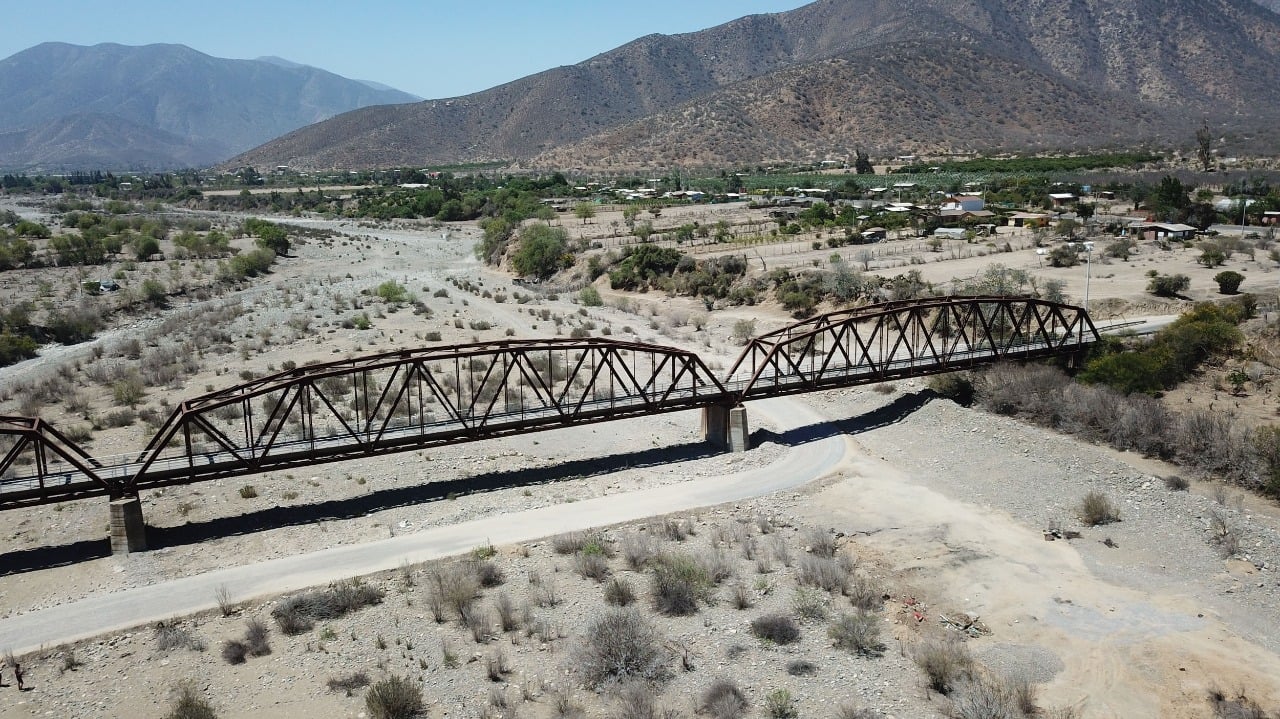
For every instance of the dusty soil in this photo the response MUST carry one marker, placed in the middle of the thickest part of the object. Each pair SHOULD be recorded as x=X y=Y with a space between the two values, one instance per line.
x=943 y=507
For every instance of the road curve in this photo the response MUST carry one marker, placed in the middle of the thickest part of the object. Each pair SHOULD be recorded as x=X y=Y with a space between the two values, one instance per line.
x=104 y=613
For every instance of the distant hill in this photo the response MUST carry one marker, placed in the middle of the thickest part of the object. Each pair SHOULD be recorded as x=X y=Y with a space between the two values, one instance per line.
x=173 y=105
x=930 y=74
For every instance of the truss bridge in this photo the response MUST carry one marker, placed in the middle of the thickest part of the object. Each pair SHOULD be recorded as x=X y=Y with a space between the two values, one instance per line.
x=413 y=399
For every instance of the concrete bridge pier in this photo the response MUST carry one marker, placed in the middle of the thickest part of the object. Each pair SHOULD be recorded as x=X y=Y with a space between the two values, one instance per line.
x=725 y=426
x=128 y=530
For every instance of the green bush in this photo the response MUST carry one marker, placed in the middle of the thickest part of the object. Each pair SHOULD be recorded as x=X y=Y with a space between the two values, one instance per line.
x=1228 y=282
x=955 y=386
x=680 y=583
x=589 y=296
x=153 y=292
x=643 y=266
x=1168 y=285
x=15 y=348
x=393 y=292
x=543 y=251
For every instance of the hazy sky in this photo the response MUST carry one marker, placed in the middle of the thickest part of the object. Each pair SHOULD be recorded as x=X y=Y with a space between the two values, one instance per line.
x=430 y=48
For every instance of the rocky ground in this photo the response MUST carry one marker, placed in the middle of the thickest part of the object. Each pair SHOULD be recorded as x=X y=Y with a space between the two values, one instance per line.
x=943 y=508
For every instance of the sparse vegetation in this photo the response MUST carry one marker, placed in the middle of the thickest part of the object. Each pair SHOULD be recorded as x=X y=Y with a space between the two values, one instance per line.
x=621 y=645
x=1096 y=509
x=858 y=633
x=723 y=700
x=945 y=661
x=189 y=704
x=776 y=628
x=299 y=613
x=395 y=697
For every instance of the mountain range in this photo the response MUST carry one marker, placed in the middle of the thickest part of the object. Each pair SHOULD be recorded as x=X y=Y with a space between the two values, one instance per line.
x=158 y=106
x=817 y=81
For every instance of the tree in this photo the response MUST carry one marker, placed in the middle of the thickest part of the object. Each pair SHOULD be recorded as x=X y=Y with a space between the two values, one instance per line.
x=1170 y=199
x=1211 y=255
x=629 y=215
x=584 y=211
x=1168 y=285
x=1237 y=379
x=1064 y=256
x=1228 y=282
x=145 y=246
x=862 y=165
x=1204 y=147
x=543 y=251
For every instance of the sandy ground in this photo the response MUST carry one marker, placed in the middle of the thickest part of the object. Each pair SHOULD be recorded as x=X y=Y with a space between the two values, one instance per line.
x=942 y=505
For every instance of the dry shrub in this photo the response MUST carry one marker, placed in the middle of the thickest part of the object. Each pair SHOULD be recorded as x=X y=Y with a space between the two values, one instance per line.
x=169 y=636
x=1237 y=707
x=621 y=645
x=348 y=684
x=677 y=530
x=865 y=594
x=717 y=566
x=299 y=613
x=589 y=542
x=945 y=661
x=496 y=667
x=638 y=550
x=857 y=633
x=679 y=583
x=188 y=704
x=489 y=574
x=618 y=592
x=1176 y=483
x=983 y=698
x=395 y=697
x=637 y=700
x=740 y=596
x=478 y=622
x=809 y=603
x=234 y=651
x=1223 y=534
x=849 y=711
x=821 y=543
x=779 y=704
x=829 y=575
x=776 y=628
x=802 y=668
x=507 y=615
x=591 y=566
x=451 y=588
x=723 y=700
x=1096 y=509
x=257 y=638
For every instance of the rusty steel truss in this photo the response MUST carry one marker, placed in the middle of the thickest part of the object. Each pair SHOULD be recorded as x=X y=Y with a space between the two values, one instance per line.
x=412 y=399
x=906 y=339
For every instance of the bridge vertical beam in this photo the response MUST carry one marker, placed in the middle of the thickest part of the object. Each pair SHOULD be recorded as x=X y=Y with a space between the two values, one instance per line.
x=128 y=529
x=725 y=426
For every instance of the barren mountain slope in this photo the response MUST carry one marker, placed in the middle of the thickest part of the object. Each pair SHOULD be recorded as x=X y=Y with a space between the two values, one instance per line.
x=895 y=99
x=1168 y=63
x=216 y=105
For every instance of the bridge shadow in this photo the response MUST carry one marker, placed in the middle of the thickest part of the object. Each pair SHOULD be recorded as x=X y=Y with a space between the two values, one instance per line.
x=896 y=411
x=37 y=558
